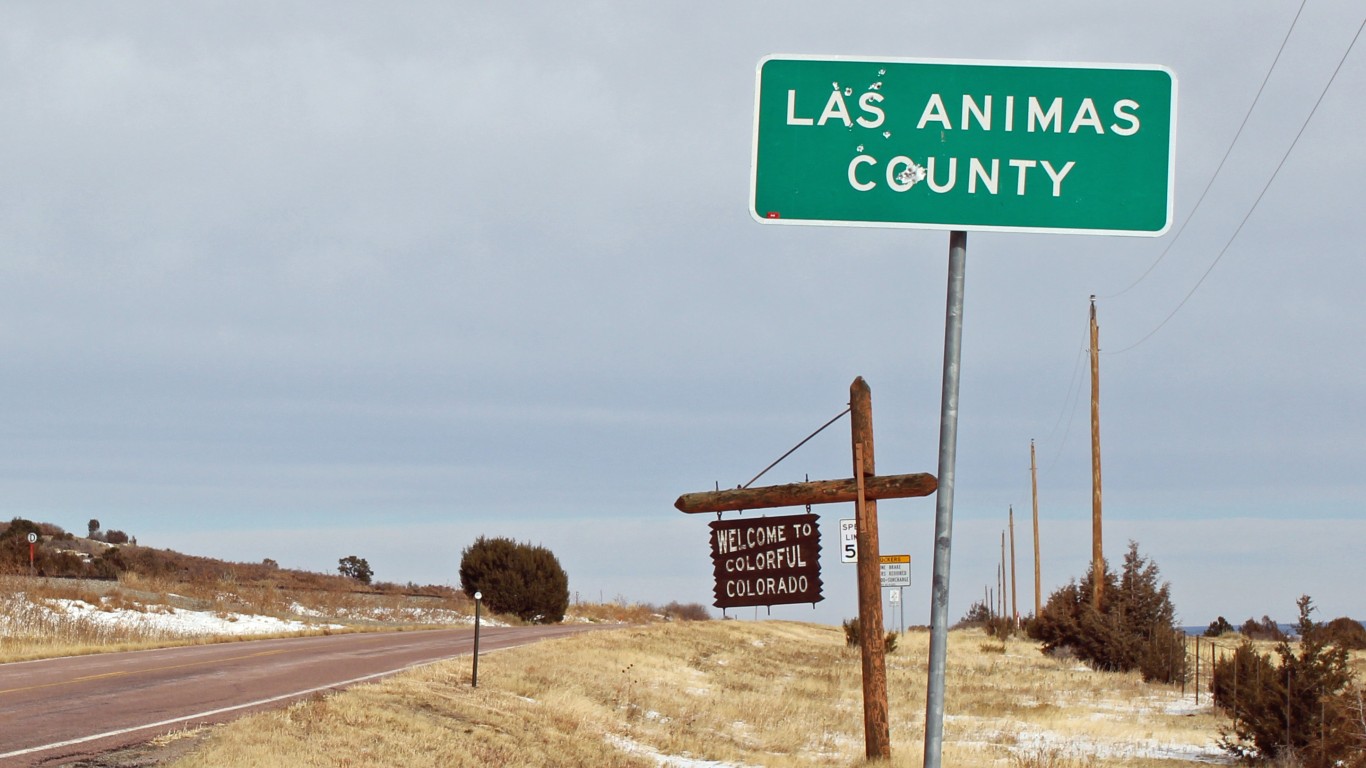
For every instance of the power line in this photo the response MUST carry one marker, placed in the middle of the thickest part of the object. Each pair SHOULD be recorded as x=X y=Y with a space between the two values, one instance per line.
x=1256 y=202
x=1069 y=409
x=1227 y=152
x=1069 y=405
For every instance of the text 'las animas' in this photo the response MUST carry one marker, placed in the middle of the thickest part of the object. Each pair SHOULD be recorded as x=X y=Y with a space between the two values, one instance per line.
x=978 y=112
x=970 y=145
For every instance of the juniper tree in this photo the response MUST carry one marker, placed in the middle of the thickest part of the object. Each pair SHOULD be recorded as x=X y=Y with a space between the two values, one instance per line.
x=1135 y=627
x=1305 y=706
x=519 y=579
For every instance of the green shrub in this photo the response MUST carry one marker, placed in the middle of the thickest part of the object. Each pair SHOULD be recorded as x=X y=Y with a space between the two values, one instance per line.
x=14 y=548
x=977 y=616
x=1346 y=633
x=1304 y=709
x=518 y=579
x=1135 y=628
x=357 y=568
x=1266 y=629
x=1219 y=626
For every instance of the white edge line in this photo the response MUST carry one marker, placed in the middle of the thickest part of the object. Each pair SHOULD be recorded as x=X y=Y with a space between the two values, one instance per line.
x=1020 y=63
x=212 y=712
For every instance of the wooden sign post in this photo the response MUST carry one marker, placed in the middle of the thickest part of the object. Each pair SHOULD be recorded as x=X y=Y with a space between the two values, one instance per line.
x=864 y=489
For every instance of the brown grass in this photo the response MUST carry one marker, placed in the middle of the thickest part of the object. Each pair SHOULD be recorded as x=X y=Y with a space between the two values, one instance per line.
x=740 y=693
x=29 y=631
x=32 y=631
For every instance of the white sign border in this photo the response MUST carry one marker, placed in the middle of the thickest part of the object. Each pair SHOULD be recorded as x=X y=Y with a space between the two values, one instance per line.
x=1171 y=151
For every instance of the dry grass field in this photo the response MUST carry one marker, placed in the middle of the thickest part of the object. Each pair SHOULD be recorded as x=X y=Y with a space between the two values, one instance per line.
x=33 y=626
x=726 y=693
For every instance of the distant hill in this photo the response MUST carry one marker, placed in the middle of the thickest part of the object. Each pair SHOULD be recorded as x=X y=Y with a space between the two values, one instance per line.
x=107 y=555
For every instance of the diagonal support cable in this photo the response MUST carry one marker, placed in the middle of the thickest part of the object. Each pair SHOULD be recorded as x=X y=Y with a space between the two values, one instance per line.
x=795 y=447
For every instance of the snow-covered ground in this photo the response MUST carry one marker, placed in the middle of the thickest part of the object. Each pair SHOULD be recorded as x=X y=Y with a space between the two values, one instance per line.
x=662 y=760
x=1027 y=739
x=160 y=620
x=176 y=622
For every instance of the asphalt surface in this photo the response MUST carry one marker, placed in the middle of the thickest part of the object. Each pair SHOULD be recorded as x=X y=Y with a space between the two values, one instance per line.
x=69 y=710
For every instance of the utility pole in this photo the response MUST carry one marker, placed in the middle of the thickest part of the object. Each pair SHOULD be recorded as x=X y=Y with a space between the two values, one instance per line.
x=864 y=488
x=1003 y=575
x=1097 y=553
x=876 y=726
x=1014 y=602
x=1034 y=493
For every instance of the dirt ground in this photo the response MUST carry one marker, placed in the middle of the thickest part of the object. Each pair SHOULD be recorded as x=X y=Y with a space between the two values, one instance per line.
x=159 y=751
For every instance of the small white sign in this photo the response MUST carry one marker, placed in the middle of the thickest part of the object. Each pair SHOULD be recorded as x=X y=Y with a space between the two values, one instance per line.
x=894 y=596
x=33 y=538
x=848 y=541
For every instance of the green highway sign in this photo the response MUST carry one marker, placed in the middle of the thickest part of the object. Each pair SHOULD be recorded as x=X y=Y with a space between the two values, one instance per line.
x=967 y=145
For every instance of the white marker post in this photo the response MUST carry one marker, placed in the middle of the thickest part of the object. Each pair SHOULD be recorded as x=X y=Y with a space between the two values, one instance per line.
x=474 y=675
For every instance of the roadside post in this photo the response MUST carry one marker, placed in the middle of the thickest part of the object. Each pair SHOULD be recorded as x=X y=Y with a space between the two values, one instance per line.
x=474 y=675
x=1063 y=148
x=32 y=551
x=894 y=597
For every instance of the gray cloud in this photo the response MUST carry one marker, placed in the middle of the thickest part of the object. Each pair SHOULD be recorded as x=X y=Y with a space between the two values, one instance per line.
x=293 y=266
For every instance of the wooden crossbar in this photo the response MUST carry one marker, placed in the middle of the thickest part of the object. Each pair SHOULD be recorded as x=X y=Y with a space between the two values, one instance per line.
x=801 y=494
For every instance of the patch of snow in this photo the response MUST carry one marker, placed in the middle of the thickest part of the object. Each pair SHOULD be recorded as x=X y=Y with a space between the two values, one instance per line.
x=1026 y=739
x=633 y=747
x=1187 y=706
x=181 y=623
x=299 y=609
x=1029 y=740
x=403 y=615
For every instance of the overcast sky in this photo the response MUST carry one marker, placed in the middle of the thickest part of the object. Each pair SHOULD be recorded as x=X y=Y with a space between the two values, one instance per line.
x=302 y=280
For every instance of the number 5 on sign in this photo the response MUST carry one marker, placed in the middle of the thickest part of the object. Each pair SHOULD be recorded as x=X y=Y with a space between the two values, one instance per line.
x=848 y=541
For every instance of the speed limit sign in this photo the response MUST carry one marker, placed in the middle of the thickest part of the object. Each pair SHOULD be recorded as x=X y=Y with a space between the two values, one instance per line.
x=848 y=541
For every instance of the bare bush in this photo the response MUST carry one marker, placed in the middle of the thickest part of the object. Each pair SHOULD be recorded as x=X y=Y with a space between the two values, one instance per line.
x=676 y=611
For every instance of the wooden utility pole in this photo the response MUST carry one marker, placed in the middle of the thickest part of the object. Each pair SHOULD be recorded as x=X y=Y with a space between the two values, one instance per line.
x=864 y=488
x=1097 y=552
x=1034 y=493
x=1002 y=572
x=876 y=728
x=1014 y=601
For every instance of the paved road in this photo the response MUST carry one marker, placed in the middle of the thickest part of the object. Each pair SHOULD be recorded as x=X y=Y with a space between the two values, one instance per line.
x=58 y=710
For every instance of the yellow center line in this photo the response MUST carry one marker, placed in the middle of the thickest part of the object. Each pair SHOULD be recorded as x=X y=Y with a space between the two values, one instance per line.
x=126 y=673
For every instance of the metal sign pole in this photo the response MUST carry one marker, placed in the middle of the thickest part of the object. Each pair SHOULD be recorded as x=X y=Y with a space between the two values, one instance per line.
x=943 y=512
